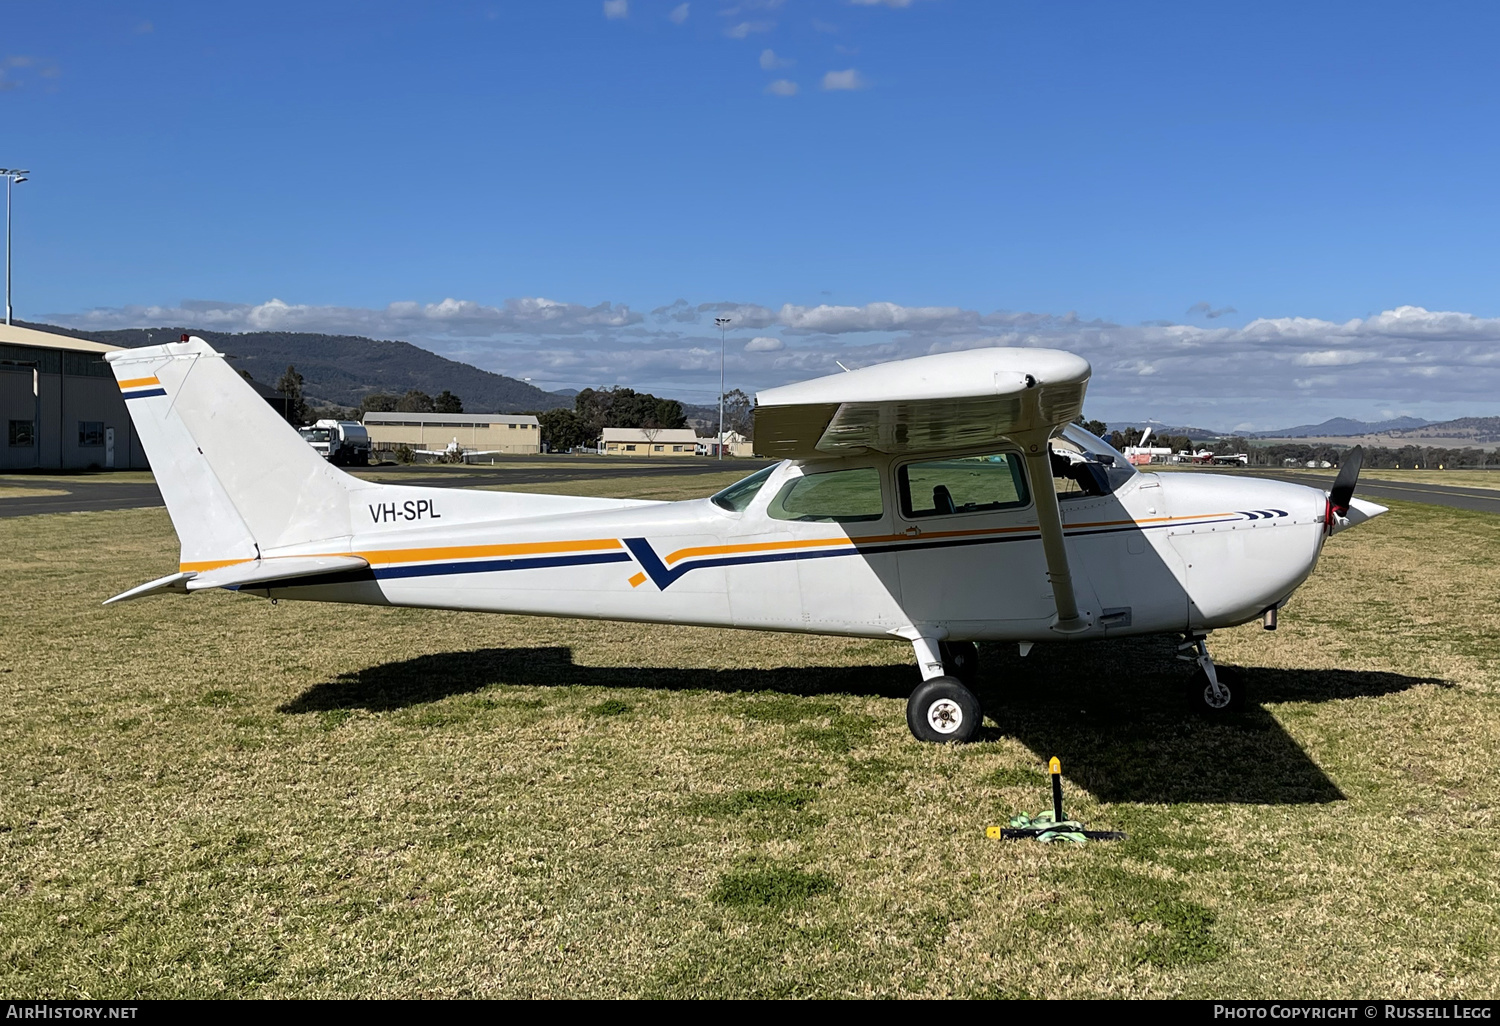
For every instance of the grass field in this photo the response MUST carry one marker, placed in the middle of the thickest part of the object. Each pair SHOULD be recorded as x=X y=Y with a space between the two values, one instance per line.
x=212 y=796
x=30 y=480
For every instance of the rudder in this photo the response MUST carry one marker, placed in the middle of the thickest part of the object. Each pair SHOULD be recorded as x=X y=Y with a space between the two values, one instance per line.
x=237 y=479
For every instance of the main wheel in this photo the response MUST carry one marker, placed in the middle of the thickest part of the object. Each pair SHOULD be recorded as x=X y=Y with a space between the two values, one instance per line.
x=1227 y=705
x=961 y=660
x=942 y=710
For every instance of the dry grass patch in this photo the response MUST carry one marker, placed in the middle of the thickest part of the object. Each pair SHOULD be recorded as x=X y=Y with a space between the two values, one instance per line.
x=22 y=492
x=212 y=796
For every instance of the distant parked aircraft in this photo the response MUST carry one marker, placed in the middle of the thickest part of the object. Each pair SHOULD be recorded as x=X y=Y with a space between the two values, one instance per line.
x=455 y=453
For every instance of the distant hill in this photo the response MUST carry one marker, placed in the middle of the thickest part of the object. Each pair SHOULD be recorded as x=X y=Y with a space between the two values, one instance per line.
x=1465 y=432
x=1337 y=427
x=343 y=369
x=1472 y=429
x=1340 y=426
x=1158 y=428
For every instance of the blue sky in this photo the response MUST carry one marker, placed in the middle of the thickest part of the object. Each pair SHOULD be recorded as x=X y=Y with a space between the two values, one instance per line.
x=1247 y=213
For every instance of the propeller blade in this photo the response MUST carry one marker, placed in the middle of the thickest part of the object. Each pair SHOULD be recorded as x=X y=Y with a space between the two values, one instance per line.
x=1343 y=485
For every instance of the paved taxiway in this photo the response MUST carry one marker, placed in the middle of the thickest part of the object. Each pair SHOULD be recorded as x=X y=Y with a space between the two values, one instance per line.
x=1482 y=500
x=96 y=492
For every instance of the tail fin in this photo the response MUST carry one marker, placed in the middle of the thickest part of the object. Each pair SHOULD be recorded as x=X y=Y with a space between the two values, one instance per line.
x=237 y=479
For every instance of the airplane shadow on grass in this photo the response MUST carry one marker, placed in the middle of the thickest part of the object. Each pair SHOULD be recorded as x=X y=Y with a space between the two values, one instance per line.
x=1114 y=712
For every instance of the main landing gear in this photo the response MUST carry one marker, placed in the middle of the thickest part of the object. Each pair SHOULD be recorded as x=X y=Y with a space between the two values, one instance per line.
x=942 y=709
x=1212 y=693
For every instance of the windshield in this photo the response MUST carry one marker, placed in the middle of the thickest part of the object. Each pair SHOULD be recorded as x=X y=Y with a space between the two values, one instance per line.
x=317 y=434
x=738 y=496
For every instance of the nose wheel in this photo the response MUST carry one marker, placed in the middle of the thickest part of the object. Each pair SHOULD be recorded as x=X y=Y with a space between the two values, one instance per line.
x=1212 y=693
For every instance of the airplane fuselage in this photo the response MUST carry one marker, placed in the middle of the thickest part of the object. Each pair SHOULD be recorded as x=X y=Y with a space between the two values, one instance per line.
x=1161 y=553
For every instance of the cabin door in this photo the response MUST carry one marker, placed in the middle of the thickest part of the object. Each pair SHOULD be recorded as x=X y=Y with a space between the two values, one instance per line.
x=974 y=560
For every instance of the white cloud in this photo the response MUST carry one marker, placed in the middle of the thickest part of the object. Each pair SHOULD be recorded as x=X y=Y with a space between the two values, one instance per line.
x=450 y=316
x=746 y=28
x=881 y=3
x=845 y=80
x=837 y=320
x=782 y=87
x=770 y=62
x=1271 y=373
x=617 y=8
x=679 y=14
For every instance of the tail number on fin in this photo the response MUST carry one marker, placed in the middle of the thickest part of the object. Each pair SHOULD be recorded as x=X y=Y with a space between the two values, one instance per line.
x=411 y=509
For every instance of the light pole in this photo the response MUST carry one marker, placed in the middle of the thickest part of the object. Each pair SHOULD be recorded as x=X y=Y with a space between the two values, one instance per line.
x=723 y=323
x=13 y=176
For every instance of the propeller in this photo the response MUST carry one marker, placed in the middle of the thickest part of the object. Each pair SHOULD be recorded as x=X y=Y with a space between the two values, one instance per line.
x=1343 y=485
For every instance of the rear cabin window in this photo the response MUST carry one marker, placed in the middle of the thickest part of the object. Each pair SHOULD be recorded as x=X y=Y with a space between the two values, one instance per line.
x=840 y=496
x=969 y=484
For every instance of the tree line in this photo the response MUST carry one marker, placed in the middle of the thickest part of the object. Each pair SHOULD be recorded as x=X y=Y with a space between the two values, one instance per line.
x=595 y=409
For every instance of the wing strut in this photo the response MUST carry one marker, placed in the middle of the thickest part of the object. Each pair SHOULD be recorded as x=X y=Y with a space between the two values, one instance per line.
x=1049 y=521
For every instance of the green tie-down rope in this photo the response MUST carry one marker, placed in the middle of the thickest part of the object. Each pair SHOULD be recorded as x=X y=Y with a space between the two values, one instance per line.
x=1046 y=829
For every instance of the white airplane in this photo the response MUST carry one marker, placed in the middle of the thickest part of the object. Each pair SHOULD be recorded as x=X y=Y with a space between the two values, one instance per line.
x=455 y=453
x=942 y=500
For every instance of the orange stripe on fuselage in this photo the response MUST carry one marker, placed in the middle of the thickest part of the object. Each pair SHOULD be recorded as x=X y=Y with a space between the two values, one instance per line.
x=880 y=539
x=138 y=382
x=725 y=550
x=382 y=556
x=385 y=556
x=210 y=564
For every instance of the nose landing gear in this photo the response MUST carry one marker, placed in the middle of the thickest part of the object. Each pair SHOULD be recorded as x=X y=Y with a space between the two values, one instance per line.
x=1212 y=693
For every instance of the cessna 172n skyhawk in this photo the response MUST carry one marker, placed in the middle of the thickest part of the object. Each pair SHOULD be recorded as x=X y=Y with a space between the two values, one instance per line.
x=942 y=500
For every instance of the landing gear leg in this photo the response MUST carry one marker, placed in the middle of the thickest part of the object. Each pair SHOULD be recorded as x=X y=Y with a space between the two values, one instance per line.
x=1211 y=692
x=942 y=709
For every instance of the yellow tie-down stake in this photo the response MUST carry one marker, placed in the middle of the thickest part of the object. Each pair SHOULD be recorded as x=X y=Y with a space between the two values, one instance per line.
x=1050 y=826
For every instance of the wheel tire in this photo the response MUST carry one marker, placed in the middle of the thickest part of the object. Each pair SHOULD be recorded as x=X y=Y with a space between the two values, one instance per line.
x=1200 y=696
x=960 y=660
x=943 y=711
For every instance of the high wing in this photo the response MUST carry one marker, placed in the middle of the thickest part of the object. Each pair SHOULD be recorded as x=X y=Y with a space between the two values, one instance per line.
x=931 y=403
x=943 y=402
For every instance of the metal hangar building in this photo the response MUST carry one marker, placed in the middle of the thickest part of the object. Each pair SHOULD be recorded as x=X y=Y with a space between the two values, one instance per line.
x=60 y=407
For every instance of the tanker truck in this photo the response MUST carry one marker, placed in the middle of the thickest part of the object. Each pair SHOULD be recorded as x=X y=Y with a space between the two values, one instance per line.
x=344 y=443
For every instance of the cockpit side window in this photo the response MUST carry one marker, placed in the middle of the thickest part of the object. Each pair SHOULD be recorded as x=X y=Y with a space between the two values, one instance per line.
x=962 y=484
x=738 y=496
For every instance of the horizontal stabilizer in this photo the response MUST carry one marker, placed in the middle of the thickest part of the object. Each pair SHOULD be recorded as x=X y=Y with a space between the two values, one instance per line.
x=273 y=568
x=172 y=582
